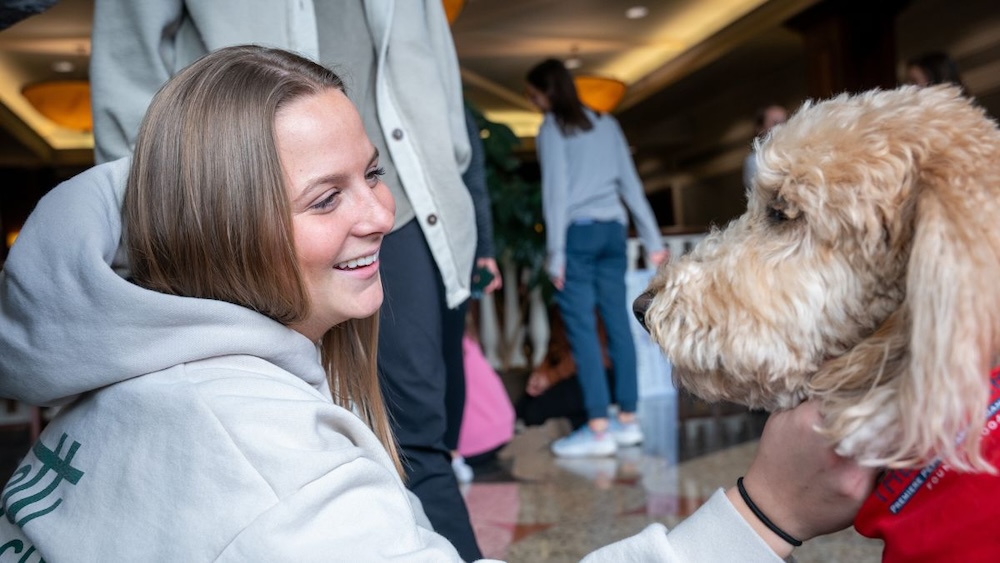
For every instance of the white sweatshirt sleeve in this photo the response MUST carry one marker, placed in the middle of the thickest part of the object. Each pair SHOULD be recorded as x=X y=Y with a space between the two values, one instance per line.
x=127 y=67
x=137 y=46
x=352 y=513
x=715 y=532
x=326 y=489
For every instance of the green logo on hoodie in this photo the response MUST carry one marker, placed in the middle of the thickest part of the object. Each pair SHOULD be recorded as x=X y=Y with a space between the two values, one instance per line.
x=26 y=495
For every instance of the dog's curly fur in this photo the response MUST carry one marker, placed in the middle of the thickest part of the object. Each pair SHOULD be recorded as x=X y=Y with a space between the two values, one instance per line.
x=865 y=273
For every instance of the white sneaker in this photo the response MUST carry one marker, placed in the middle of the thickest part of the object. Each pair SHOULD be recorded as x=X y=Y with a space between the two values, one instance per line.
x=585 y=443
x=625 y=435
x=463 y=473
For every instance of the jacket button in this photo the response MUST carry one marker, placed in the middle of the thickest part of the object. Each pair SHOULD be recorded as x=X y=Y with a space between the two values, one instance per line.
x=397 y=134
x=432 y=219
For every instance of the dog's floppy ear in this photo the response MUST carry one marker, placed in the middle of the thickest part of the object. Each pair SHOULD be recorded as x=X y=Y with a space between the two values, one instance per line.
x=952 y=300
x=918 y=387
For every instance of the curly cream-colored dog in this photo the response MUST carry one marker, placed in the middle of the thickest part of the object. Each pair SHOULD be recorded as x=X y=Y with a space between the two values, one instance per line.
x=865 y=273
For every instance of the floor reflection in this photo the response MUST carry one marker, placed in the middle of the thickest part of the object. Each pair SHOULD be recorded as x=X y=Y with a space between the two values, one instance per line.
x=528 y=506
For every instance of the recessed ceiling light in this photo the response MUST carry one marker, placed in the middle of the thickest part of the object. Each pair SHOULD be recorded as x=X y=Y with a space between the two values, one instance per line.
x=636 y=12
x=573 y=63
x=63 y=66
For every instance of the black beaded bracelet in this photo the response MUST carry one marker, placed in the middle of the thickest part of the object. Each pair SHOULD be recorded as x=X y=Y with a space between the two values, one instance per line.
x=760 y=515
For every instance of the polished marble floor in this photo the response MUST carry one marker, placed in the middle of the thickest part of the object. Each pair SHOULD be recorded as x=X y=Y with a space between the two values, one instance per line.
x=527 y=506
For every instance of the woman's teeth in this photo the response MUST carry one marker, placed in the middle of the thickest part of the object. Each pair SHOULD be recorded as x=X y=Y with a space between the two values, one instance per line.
x=357 y=262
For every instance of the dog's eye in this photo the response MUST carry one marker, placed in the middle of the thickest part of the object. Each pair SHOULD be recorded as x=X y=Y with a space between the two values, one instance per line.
x=776 y=215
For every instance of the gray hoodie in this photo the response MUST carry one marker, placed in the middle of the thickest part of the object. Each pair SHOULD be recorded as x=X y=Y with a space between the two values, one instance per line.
x=194 y=430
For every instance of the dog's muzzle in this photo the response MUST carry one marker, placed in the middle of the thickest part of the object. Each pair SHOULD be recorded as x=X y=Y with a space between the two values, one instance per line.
x=639 y=307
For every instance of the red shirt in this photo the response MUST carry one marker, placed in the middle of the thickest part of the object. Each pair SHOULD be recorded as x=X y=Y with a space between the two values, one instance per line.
x=937 y=514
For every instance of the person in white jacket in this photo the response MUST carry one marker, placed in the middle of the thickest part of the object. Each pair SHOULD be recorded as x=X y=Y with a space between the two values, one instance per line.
x=205 y=311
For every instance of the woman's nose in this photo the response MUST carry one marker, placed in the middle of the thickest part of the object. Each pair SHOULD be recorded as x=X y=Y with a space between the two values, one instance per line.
x=381 y=209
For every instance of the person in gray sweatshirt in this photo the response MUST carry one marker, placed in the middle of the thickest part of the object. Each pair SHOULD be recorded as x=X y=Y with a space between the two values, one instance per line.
x=589 y=186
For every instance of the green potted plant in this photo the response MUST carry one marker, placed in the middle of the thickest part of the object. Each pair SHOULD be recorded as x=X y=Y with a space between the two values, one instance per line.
x=519 y=235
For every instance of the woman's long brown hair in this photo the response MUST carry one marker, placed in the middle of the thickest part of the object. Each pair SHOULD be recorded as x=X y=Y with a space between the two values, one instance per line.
x=207 y=213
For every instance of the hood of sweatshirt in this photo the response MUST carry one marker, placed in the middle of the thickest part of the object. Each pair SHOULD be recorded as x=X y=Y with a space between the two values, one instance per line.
x=70 y=322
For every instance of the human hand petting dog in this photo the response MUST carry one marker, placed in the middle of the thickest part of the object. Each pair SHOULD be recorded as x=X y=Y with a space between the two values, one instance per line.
x=799 y=482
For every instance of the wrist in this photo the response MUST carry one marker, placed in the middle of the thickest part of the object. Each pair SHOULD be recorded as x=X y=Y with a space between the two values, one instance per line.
x=781 y=547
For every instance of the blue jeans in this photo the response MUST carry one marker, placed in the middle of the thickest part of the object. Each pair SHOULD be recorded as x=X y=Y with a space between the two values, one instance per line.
x=595 y=278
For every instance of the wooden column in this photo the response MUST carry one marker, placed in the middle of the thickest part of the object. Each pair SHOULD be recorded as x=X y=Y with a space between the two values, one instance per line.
x=850 y=45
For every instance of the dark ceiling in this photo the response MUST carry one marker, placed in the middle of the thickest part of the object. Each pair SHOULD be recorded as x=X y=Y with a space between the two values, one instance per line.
x=697 y=71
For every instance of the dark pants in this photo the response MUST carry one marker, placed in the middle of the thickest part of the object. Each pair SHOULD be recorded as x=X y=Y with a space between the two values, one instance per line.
x=595 y=276
x=418 y=349
x=562 y=400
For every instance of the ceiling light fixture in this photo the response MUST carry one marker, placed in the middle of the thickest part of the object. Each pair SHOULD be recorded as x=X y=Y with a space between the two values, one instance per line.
x=64 y=102
x=574 y=61
x=636 y=12
x=600 y=93
x=452 y=8
x=63 y=67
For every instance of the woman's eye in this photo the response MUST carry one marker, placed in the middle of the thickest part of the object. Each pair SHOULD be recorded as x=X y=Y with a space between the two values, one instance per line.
x=375 y=174
x=327 y=202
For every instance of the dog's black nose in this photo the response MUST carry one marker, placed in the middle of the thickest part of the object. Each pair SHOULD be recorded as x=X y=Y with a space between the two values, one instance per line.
x=639 y=307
